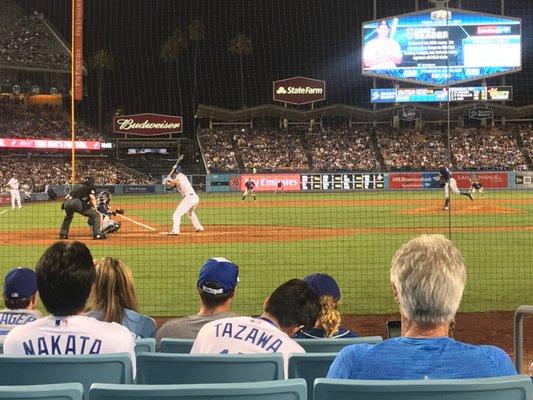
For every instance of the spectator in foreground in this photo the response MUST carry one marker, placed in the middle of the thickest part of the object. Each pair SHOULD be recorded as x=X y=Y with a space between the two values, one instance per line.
x=113 y=298
x=65 y=276
x=20 y=299
x=216 y=287
x=428 y=276
x=291 y=307
x=328 y=324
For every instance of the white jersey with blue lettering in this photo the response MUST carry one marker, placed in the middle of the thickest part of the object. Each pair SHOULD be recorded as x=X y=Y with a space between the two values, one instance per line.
x=185 y=187
x=244 y=335
x=9 y=319
x=76 y=334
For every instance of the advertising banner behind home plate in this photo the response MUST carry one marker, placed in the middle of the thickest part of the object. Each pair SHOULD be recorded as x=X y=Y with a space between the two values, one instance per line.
x=299 y=90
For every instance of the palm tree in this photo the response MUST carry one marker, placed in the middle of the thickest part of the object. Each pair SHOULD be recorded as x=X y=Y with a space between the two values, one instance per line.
x=196 y=32
x=241 y=45
x=100 y=62
x=171 y=52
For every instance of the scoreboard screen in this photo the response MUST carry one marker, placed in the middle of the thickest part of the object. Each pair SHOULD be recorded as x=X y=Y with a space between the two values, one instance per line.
x=442 y=46
x=342 y=182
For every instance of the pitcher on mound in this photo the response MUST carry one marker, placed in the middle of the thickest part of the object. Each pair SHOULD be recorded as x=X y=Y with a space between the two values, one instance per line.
x=187 y=205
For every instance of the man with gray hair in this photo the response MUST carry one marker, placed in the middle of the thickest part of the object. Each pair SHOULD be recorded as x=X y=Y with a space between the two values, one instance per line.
x=428 y=276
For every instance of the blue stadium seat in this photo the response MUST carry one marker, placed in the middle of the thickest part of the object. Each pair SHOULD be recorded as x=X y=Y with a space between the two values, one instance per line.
x=501 y=388
x=160 y=368
x=144 y=345
x=334 y=345
x=182 y=346
x=60 y=391
x=89 y=369
x=310 y=366
x=293 y=389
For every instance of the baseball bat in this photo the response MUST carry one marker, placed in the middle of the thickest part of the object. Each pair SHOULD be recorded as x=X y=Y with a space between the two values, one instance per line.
x=178 y=161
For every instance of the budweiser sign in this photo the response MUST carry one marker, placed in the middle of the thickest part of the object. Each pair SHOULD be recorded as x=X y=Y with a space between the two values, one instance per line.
x=299 y=90
x=147 y=124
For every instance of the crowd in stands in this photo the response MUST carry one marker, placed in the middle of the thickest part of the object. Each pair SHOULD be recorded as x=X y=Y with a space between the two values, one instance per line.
x=94 y=302
x=489 y=149
x=37 y=172
x=271 y=150
x=412 y=150
x=218 y=150
x=341 y=149
x=354 y=148
x=28 y=42
x=527 y=138
x=41 y=123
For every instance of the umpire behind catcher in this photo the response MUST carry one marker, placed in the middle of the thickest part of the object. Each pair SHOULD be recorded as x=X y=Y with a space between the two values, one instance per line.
x=82 y=200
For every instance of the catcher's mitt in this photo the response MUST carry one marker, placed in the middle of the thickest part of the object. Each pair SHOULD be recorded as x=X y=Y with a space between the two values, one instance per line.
x=118 y=211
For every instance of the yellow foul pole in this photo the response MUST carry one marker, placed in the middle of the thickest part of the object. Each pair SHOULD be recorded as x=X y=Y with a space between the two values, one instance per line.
x=72 y=101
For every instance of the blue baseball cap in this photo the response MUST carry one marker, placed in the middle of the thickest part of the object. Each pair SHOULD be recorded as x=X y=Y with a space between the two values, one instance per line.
x=20 y=283
x=220 y=271
x=323 y=285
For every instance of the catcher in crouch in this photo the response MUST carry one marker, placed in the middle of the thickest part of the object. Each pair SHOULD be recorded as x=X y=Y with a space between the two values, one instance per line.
x=108 y=225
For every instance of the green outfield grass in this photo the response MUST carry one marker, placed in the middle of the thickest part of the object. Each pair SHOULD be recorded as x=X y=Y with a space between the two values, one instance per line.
x=495 y=235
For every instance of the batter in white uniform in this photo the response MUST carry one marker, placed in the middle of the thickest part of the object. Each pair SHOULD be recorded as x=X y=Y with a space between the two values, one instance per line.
x=188 y=203
x=15 y=193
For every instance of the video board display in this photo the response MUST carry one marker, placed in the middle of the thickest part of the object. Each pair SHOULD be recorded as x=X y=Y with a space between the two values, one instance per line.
x=342 y=182
x=439 y=47
x=432 y=95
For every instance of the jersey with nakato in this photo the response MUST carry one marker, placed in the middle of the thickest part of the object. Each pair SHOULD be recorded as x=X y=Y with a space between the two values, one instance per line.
x=76 y=334
x=244 y=335
x=249 y=185
x=185 y=187
x=13 y=184
x=9 y=319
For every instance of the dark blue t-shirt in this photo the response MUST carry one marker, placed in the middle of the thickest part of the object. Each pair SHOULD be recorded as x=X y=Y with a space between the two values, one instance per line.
x=409 y=358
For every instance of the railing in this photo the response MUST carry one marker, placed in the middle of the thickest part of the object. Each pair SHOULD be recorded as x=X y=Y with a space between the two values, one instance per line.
x=519 y=335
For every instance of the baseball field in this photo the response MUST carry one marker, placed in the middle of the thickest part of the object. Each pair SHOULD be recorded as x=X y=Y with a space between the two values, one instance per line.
x=351 y=236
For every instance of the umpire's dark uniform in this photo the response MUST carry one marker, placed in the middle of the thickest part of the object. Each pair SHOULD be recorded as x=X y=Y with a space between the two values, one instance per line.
x=78 y=201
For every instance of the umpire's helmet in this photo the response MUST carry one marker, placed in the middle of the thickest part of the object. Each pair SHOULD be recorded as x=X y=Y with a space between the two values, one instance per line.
x=104 y=197
x=88 y=181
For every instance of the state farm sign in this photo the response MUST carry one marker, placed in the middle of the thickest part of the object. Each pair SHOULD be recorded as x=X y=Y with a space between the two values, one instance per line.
x=147 y=124
x=299 y=90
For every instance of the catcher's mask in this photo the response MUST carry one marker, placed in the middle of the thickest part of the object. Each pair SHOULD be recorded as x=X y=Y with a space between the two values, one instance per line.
x=104 y=197
x=88 y=181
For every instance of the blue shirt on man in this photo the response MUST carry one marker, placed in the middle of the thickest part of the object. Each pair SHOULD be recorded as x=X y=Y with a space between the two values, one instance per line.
x=412 y=358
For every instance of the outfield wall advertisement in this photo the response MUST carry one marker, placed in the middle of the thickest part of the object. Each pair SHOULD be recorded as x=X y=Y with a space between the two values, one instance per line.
x=430 y=180
x=269 y=182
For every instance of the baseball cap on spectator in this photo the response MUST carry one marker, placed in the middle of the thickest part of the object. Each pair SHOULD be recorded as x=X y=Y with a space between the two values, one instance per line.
x=218 y=276
x=323 y=285
x=20 y=283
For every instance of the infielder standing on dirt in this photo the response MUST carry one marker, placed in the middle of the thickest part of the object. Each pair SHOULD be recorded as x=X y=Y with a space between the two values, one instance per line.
x=250 y=185
x=15 y=193
x=450 y=183
x=187 y=205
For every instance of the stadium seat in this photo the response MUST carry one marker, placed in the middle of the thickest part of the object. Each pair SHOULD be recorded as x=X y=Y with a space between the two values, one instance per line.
x=334 y=345
x=501 y=388
x=293 y=389
x=310 y=366
x=144 y=345
x=159 y=368
x=60 y=391
x=182 y=346
x=88 y=369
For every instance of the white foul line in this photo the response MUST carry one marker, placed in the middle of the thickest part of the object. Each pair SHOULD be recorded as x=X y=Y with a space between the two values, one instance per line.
x=3 y=212
x=138 y=223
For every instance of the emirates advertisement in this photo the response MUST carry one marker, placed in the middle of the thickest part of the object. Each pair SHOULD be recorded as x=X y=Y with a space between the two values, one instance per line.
x=47 y=144
x=269 y=182
x=147 y=124
x=299 y=90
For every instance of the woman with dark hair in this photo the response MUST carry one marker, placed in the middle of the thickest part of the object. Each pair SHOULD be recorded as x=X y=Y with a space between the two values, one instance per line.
x=328 y=324
x=113 y=298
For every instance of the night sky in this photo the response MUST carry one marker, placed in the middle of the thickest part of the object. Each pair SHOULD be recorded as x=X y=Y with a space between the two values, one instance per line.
x=316 y=38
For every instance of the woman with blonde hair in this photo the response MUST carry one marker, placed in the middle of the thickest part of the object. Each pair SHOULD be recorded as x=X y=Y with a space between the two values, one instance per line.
x=113 y=298
x=328 y=324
